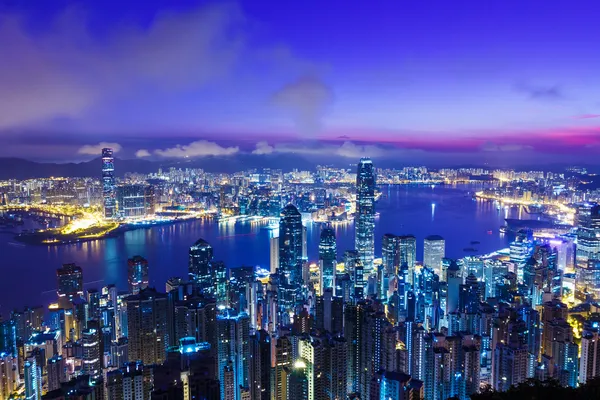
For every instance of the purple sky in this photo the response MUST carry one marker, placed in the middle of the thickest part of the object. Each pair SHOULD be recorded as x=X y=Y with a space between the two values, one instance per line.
x=462 y=81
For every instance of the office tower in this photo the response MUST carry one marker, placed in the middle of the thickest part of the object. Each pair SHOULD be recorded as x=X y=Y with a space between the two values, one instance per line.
x=137 y=272
x=70 y=281
x=290 y=245
x=147 y=326
x=220 y=282
x=199 y=268
x=394 y=386
x=312 y=352
x=274 y=254
x=133 y=381
x=9 y=375
x=32 y=379
x=566 y=360
x=108 y=183
x=408 y=254
x=327 y=259
x=364 y=220
x=521 y=250
x=8 y=337
x=297 y=381
x=354 y=267
x=469 y=295
x=304 y=243
x=390 y=254
x=454 y=280
x=91 y=358
x=589 y=361
x=282 y=361
x=260 y=365
x=233 y=335
x=27 y=321
x=434 y=251
x=135 y=201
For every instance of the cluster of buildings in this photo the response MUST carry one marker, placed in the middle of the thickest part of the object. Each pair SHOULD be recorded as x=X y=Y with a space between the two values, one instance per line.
x=352 y=326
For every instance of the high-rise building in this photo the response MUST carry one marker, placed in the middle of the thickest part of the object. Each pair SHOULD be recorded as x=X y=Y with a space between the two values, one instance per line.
x=434 y=251
x=108 y=183
x=260 y=365
x=327 y=258
x=589 y=361
x=137 y=272
x=70 y=281
x=390 y=254
x=9 y=375
x=91 y=359
x=297 y=381
x=408 y=255
x=33 y=379
x=233 y=332
x=135 y=200
x=364 y=220
x=201 y=255
x=273 y=254
x=147 y=326
x=290 y=245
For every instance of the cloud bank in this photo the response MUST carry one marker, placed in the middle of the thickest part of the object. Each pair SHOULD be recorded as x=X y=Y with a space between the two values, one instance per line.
x=96 y=149
x=200 y=148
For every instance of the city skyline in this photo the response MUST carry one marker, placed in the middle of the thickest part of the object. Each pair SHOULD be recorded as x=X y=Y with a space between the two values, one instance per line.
x=421 y=82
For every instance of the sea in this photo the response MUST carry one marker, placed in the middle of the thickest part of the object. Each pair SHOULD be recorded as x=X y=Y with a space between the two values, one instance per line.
x=469 y=226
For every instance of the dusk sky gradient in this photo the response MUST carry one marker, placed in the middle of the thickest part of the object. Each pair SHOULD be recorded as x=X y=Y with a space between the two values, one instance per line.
x=459 y=81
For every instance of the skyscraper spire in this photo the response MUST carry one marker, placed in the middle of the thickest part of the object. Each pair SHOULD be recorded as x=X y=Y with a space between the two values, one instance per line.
x=364 y=220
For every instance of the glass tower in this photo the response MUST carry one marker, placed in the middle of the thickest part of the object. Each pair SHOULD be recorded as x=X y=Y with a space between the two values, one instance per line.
x=290 y=245
x=108 y=183
x=364 y=220
x=199 y=269
x=137 y=268
x=327 y=258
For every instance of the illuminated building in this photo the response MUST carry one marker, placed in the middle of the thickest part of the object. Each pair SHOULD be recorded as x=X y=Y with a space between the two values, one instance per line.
x=9 y=375
x=132 y=381
x=233 y=335
x=147 y=326
x=108 y=183
x=365 y=214
x=199 y=268
x=521 y=250
x=283 y=360
x=408 y=255
x=135 y=201
x=70 y=281
x=291 y=245
x=297 y=381
x=327 y=259
x=220 y=282
x=434 y=251
x=32 y=379
x=589 y=362
x=394 y=386
x=137 y=272
x=587 y=269
x=274 y=254
x=92 y=362
x=312 y=353
x=260 y=365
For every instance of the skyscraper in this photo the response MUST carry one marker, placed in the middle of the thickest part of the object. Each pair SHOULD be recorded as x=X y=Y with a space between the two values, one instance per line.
x=587 y=282
x=290 y=245
x=33 y=379
x=108 y=183
x=70 y=281
x=364 y=220
x=92 y=362
x=201 y=255
x=233 y=351
x=137 y=272
x=147 y=326
x=434 y=250
x=327 y=258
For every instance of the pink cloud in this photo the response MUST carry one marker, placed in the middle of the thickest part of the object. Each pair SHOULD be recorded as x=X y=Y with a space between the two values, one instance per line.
x=586 y=116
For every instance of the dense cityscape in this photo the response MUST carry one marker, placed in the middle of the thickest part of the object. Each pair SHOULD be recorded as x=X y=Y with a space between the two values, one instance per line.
x=360 y=323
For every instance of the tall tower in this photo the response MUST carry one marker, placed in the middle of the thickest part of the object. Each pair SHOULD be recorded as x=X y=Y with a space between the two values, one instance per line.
x=290 y=245
x=434 y=251
x=147 y=326
x=327 y=258
x=364 y=220
x=137 y=271
x=201 y=255
x=70 y=281
x=233 y=346
x=108 y=183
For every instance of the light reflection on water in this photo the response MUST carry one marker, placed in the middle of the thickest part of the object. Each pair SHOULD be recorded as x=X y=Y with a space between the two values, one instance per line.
x=403 y=210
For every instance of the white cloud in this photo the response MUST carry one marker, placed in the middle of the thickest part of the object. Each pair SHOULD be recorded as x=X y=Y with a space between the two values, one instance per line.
x=200 y=148
x=346 y=149
x=96 y=149
x=141 y=153
x=263 y=148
